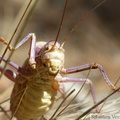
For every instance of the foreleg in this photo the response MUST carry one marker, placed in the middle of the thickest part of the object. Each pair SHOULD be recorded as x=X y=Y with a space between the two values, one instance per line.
x=88 y=67
x=32 y=37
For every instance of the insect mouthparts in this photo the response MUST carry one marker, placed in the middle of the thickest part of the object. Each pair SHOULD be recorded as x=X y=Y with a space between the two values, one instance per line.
x=52 y=71
x=54 y=66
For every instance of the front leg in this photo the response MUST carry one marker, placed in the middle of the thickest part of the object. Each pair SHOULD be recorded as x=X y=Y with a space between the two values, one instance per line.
x=32 y=37
x=88 y=67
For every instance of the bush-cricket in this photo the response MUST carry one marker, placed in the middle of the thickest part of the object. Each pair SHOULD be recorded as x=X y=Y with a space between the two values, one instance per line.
x=40 y=76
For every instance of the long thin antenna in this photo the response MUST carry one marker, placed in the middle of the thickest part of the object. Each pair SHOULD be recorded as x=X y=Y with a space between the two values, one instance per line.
x=61 y=22
x=81 y=20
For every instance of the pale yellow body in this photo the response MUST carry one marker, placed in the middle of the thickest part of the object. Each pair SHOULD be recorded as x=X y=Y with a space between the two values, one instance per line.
x=39 y=96
x=38 y=83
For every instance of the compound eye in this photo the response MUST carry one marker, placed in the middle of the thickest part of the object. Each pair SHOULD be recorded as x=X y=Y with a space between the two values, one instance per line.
x=44 y=65
x=48 y=47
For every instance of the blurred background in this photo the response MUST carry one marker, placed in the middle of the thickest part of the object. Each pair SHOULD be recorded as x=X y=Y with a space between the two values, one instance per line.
x=96 y=39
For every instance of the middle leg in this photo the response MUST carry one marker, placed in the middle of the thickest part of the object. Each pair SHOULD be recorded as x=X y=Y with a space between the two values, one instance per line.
x=88 y=67
x=9 y=74
x=87 y=81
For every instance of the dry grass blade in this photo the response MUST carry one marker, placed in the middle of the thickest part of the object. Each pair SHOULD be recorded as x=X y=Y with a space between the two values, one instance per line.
x=19 y=102
x=84 y=109
x=74 y=96
x=106 y=99
x=61 y=104
x=5 y=112
x=71 y=100
x=90 y=109
x=16 y=29
x=12 y=97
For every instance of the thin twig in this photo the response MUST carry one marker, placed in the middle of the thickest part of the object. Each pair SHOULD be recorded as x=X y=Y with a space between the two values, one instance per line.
x=110 y=91
x=61 y=104
x=85 y=113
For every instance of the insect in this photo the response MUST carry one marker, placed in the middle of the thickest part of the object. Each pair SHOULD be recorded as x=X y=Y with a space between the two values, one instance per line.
x=40 y=78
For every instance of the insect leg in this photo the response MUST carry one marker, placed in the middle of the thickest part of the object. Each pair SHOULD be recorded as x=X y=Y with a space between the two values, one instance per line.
x=88 y=67
x=87 y=81
x=16 y=67
x=9 y=74
x=11 y=64
x=32 y=37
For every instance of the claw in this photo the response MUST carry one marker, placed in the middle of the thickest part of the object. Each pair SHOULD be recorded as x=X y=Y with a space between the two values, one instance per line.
x=33 y=65
x=115 y=89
